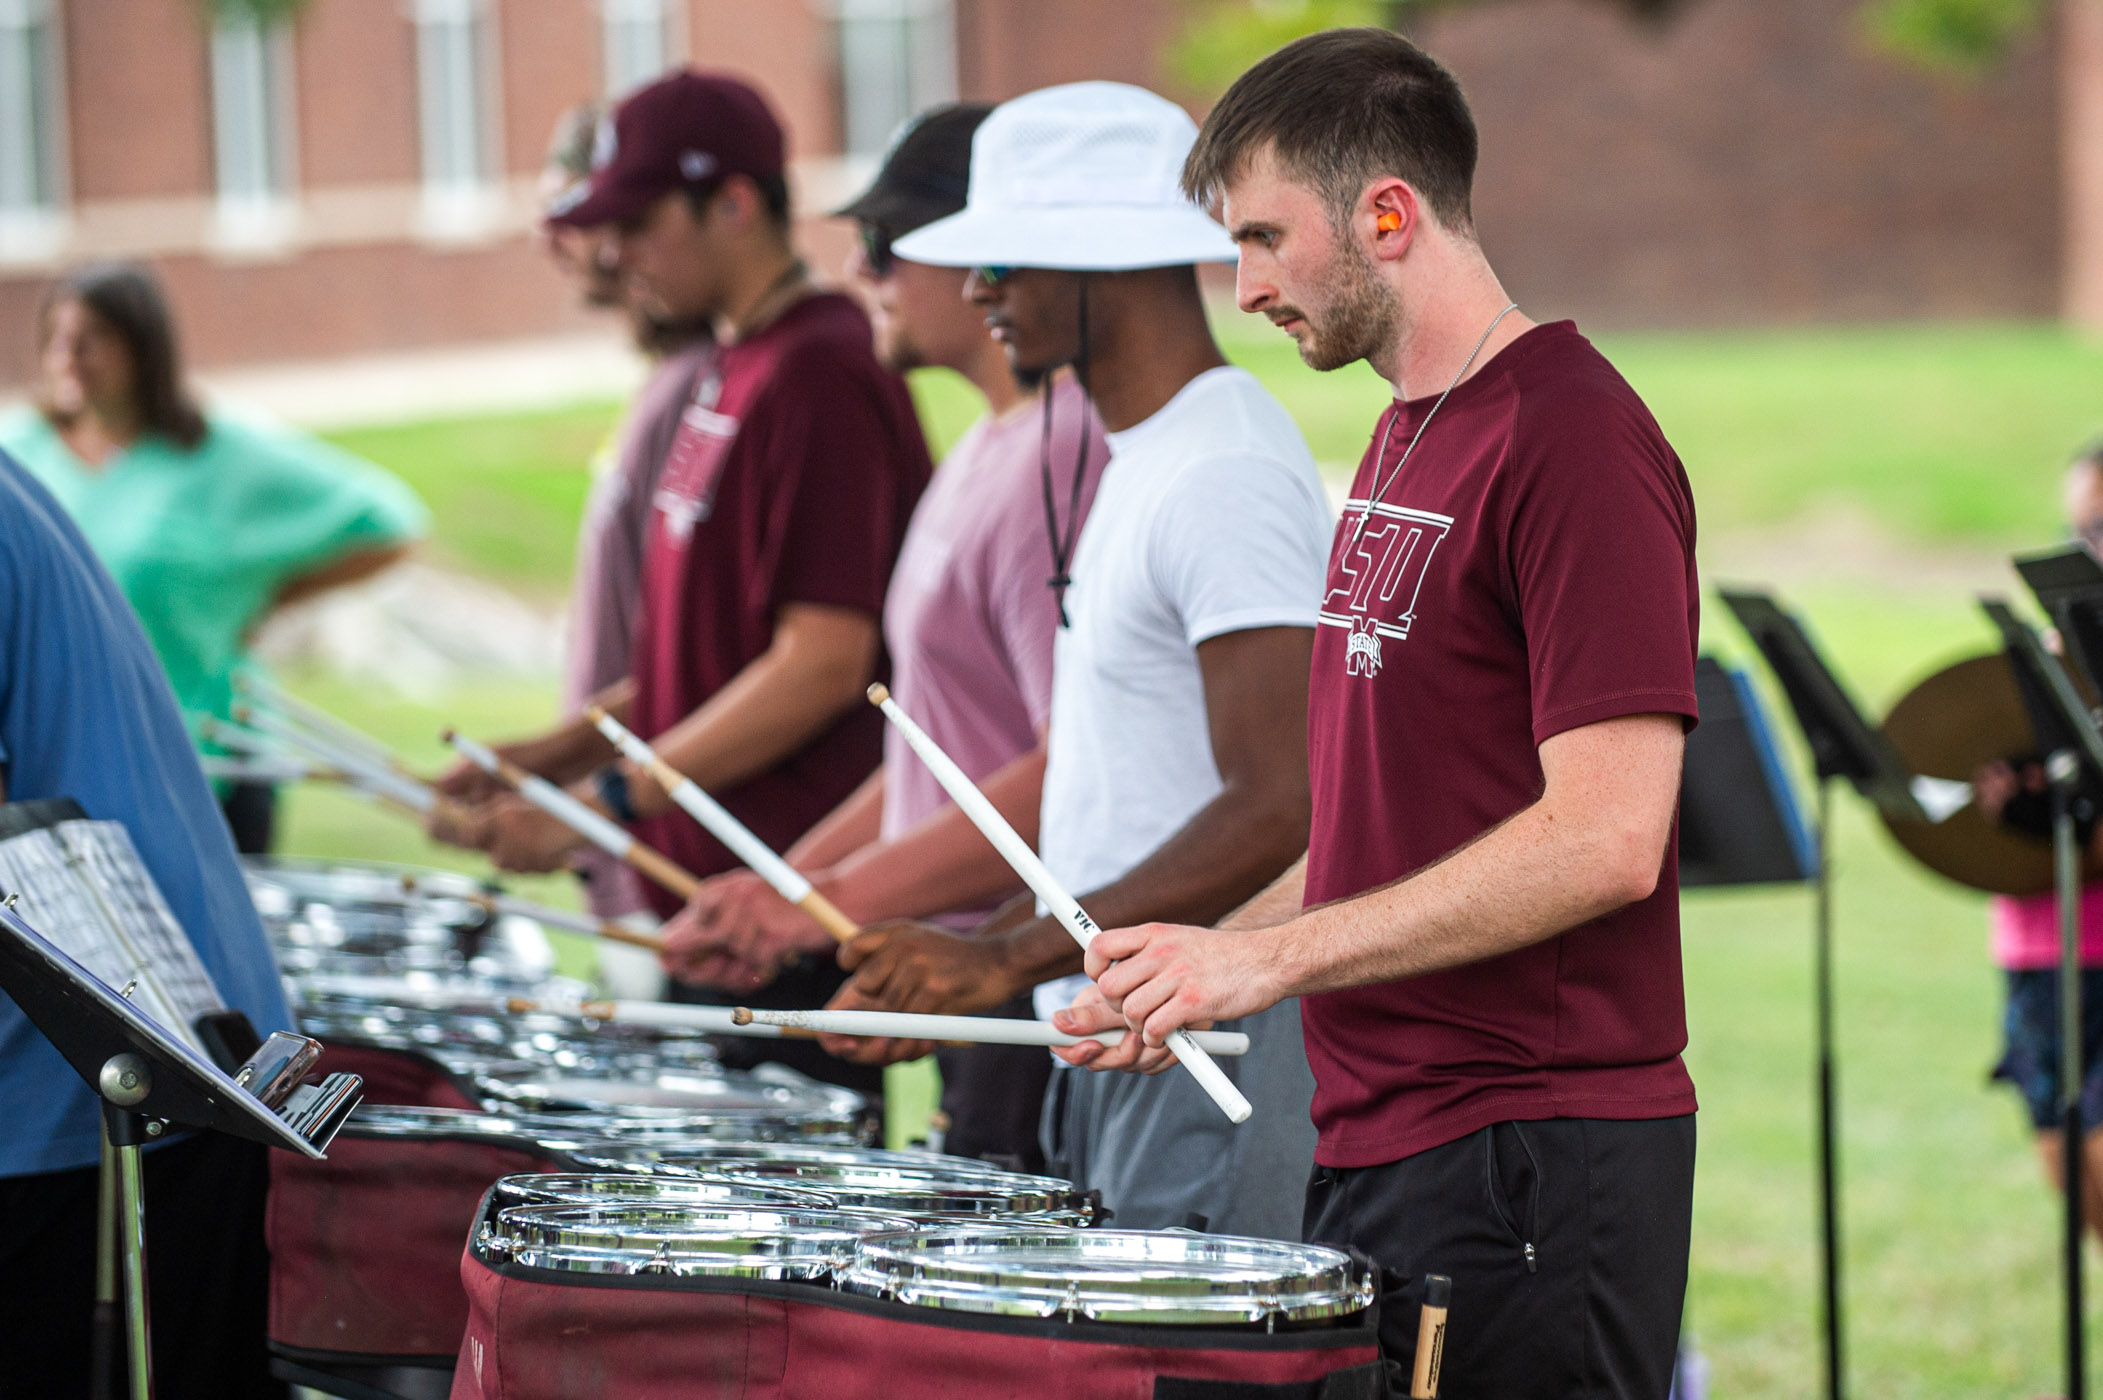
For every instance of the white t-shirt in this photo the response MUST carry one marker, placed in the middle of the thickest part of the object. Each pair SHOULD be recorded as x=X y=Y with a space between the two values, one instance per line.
x=1210 y=519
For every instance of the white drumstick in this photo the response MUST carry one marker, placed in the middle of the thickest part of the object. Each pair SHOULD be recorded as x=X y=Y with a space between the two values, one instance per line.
x=1062 y=905
x=710 y=1020
x=320 y=721
x=607 y=835
x=369 y=773
x=976 y=1030
x=787 y=881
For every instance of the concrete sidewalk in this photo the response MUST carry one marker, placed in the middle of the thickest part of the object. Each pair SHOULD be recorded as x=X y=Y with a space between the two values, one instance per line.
x=408 y=385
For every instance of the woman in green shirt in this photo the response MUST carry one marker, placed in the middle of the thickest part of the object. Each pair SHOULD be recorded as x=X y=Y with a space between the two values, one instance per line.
x=209 y=520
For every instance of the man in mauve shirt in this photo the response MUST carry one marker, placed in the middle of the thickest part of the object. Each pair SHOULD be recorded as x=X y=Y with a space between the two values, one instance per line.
x=775 y=523
x=968 y=625
x=1484 y=932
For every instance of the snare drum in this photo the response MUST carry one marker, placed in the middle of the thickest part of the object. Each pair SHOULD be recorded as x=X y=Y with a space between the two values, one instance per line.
x=366 y=1245
x=742 y=1106
x=1154 y=1277
x=1168 y=1315
x=603 y=1188
x=930 y=1192
x=681 y=1241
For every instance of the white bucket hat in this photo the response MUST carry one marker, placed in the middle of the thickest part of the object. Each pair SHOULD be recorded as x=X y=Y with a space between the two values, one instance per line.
x=1080 y=178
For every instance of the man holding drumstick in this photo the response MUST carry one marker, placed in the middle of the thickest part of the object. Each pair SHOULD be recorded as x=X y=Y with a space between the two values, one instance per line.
x=968 y=624
x=774 y=523
x=1485 y=929
x=1176 y=777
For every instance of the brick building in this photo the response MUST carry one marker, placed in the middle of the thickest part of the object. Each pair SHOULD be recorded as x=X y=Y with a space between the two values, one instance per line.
x=364 y=178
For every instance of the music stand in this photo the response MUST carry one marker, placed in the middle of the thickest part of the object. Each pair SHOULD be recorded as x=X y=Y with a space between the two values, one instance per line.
x=1844 y=745
x=2067 y=735
x=1739 y=822
x=149 y=1080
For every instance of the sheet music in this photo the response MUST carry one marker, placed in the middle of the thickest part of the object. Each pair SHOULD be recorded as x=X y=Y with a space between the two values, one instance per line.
x=84 y=887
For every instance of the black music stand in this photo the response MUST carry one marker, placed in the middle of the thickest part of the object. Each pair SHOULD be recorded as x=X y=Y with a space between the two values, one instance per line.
x=2073 y=748
x=1739 y=823
x=1844 y=745
x=149 y=1080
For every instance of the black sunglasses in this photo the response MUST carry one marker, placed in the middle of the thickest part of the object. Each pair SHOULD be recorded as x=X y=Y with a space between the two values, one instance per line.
x=876 y=250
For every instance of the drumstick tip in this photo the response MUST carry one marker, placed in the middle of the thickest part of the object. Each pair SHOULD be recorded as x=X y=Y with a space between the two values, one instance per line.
x=595 y=714
x=447 y=735
x=878 y=693
x=741 y=1016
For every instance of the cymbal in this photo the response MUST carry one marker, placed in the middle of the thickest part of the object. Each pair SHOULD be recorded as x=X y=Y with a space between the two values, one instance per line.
x=1961 y=717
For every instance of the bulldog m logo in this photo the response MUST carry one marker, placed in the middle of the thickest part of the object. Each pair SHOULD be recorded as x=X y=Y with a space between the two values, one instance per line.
x=1362 y=652
x=1376 y=575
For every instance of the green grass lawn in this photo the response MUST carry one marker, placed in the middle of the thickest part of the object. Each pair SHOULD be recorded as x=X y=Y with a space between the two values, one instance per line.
x=1947 y=435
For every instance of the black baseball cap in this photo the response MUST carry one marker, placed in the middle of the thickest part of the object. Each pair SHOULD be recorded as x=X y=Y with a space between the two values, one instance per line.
x=926 y=172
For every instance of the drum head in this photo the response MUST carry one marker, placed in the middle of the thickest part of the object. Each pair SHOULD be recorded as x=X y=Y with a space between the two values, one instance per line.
x=682 y=1241
x=1946 y=727
x=609 y=1188
x=724 y=1104
x=1149 y=1277
x=930 y=1193
x=736 y=1155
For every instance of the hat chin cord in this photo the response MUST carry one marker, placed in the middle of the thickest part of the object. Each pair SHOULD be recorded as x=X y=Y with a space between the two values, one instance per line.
x=1062 y=542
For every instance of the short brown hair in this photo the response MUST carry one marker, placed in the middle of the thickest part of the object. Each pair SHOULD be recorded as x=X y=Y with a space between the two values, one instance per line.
x=1341 y=109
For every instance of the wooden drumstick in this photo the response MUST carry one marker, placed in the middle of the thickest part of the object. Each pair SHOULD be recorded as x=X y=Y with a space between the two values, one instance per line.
x=607 y=835
x=788 y=882
x=1063 y=906
x=1431 y=1337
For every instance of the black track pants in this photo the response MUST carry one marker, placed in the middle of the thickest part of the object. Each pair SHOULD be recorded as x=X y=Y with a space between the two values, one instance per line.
x=1566 y=1241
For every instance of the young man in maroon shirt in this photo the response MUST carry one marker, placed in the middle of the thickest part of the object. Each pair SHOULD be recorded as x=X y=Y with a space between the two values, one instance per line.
x=1485 y=930
x=775 y=523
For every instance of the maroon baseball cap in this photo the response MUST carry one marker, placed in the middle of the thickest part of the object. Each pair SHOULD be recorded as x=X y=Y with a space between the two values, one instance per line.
x=687 y=130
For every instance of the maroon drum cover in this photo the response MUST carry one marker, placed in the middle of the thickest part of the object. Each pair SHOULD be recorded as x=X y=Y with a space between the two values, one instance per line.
x=551 y=1333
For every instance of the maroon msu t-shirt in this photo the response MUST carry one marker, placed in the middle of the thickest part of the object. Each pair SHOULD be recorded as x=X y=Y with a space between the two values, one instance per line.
x=1530 y=571
x=794 y=471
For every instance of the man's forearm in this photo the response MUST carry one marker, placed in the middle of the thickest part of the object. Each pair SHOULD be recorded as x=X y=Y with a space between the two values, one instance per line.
x=1226 y=853
x=786 y=697
x=944 y=863
x=1522 y=882
x=570 y=751
x=847 y=829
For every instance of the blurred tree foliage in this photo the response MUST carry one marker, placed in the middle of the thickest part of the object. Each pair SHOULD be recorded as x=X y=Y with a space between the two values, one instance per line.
x=263 y=12
x=1222 y=38
x=1961 y=36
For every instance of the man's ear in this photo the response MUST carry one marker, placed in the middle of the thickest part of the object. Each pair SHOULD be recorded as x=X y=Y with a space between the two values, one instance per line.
x=1388 y=215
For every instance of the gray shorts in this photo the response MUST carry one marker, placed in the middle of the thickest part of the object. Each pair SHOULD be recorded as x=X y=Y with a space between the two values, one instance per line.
x=1160 y=1151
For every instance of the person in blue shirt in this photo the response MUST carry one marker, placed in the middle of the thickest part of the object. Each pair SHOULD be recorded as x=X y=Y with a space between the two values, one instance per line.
x=86 y=712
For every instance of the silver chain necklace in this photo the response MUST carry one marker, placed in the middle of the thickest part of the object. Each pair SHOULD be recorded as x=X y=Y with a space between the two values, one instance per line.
x=1380 y=487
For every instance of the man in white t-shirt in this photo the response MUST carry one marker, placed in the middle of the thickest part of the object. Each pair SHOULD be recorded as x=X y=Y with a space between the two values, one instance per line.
x=1177 y=766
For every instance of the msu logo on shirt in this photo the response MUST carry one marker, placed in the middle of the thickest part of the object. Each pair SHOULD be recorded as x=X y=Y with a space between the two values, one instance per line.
x=686 y=491
x=1375 y=576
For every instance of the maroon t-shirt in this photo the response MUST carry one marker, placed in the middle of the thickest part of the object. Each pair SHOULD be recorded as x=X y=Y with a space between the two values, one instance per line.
x=1530 y=571
x=791 y=478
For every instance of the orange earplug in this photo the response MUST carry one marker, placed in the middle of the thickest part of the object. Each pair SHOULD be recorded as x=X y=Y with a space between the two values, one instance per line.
x=1390 y=222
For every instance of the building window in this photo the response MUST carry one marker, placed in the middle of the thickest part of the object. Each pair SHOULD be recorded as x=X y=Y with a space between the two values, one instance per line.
x=252 y=127
x=897 y=57
x=636 y=41
x=454 y=66
x=30 y=193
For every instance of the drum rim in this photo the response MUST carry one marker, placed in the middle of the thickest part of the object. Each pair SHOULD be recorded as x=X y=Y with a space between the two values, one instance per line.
x=936 y=1269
